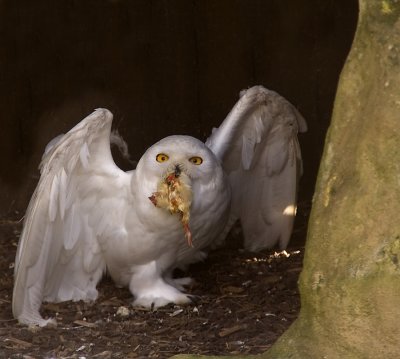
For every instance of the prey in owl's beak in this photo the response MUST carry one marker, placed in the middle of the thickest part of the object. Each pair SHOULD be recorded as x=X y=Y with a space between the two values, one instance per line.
x=174 y=194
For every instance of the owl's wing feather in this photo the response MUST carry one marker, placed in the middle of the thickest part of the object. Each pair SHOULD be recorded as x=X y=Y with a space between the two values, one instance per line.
x=258 y=147
x=59 y=256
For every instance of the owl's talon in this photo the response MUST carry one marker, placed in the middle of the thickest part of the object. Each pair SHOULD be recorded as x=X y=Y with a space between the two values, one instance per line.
x=195 y=299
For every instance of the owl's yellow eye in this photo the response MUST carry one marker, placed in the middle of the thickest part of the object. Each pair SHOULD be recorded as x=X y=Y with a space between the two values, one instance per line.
x=162 y=157
x=196 y=160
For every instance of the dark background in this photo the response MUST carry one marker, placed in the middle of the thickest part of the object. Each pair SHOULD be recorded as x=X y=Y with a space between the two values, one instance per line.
x=162 y=67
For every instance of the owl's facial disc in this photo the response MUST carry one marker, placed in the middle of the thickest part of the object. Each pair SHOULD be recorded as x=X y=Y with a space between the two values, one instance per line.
x=175 y=153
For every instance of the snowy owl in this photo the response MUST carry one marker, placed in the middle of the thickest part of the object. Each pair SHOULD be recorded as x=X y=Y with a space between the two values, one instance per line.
x=87 y=217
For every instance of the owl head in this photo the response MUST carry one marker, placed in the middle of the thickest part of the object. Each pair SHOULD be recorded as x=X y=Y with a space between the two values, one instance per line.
x=178 y=154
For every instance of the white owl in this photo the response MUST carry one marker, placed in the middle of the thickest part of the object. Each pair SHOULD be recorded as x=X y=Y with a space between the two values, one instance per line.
x=88 y=217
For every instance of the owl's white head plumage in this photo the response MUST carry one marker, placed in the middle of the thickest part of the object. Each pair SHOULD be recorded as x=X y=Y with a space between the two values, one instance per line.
x=192 y=156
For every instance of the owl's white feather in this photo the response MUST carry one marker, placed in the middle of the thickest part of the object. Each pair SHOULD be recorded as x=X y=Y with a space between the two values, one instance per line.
x=87 y=216
x=257 y=144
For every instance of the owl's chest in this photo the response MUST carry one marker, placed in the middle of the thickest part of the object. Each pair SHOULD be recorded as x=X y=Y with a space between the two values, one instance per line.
x=209 y=213
x=154 y=233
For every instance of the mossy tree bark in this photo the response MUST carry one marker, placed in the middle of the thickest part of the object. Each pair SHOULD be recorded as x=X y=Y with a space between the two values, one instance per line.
x=350 y=284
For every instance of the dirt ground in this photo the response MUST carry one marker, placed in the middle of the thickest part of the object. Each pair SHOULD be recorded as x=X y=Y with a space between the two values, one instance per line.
x=245 y=302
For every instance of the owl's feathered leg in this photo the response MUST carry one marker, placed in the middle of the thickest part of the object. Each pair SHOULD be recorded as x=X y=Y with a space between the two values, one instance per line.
x=178 y=283
x=151 y=290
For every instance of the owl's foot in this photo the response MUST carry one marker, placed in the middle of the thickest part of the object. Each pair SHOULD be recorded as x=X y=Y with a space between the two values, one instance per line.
x=179 y=283
x=152 y=291
x=152 y=301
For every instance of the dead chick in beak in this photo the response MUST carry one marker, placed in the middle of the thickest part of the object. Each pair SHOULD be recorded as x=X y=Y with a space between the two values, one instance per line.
x=174 y=194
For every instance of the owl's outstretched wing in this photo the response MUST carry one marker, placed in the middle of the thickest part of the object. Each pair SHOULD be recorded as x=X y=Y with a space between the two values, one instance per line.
x=79 y=195
x=258 y=147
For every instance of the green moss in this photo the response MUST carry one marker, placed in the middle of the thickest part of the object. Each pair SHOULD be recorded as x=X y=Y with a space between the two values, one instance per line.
x=380 y=12
x=389 y=256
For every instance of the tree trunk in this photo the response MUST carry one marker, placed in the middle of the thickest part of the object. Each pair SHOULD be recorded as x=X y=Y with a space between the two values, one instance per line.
x=350 y=284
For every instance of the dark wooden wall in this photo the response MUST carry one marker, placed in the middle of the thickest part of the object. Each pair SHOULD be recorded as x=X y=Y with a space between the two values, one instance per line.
x=162 y=67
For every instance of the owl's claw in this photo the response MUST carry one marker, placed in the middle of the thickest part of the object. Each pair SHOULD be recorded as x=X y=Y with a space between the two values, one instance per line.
x=194 y=298
x=153 y=303
x=152 y=291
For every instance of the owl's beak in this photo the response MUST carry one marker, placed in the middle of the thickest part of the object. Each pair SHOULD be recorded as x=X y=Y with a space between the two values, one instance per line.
x=178 y=170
